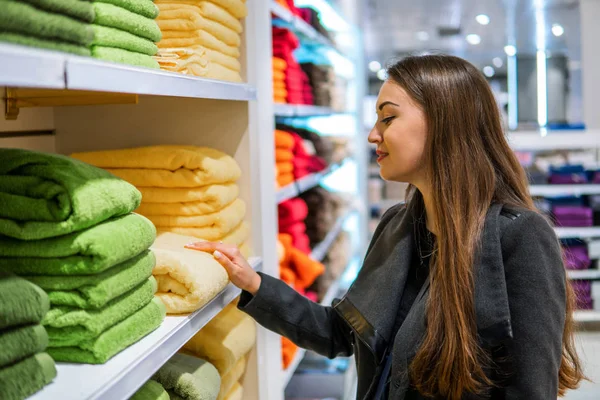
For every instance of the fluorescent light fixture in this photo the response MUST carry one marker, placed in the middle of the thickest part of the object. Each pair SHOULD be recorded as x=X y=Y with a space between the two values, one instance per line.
x=557 y=30
x=381 y=74
x=482 y=19
x=330 y=19
x=510 y=50
x=488 y=71
x=542 y=89
x=374 y=66
x=498 y=63
x=423 y=36
x=473 y=39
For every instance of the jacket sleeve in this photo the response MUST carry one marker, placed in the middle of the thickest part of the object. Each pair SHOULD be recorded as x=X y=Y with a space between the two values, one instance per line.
x=281 y=309
x=535 y=278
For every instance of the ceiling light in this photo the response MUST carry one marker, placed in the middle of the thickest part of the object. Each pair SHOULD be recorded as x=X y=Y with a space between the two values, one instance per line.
x=557 y=30
x=473 y=39
x=510 y=50
x=488 y=71
x=374 y=66
x=498 y=63
x=381 y=74
x=482 y=19
x=423 y=36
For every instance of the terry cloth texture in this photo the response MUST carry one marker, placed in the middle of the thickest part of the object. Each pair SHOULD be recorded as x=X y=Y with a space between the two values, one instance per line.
x=115 y=339
x=187 y=279
x=121 y=56
x=189 y=377
x=151 y=390
x=26 y=377
x=77 y=9
x=237 y=237
x=120 y=18
x=94 y=291
x=236 y=392
x=85 y=252
x=19 y=17
x=69 y=326
x=225 y=339
x=229 y=380
x=22 y=302
x=237 y=8
x=146 y=8
x=207 y=9
x=211 y=199
x=21 y=342
x=46 y=195
x=225 y=219
x=32 y=41
x=111 y=37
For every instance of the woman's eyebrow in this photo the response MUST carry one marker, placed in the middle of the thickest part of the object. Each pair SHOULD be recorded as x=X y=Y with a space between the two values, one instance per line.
x=386 y=103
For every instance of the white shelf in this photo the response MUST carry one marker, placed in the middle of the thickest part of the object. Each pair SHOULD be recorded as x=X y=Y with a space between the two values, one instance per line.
x=303 y=184
x=291 y=369
x=300 y=110
x=575 y=233
x=320 y=251
x=554 y=140
x=126 y=372
x=587 y=316
x=564 y=190
x=29 y=67
x=584 y=274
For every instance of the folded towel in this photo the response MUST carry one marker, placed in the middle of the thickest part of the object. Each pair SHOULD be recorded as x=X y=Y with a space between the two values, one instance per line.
x=279 y=64
x=229 y=380
x=94 y=291
x=121 y=56
x=282 y=155
x=284 y=140
x=245 y=250
x=279 y=76
x=21 y=301
x=211 y=198
x=187 y=19
x=117 y=17
x=26 y=377
x=69 y=326
x=197 y=38
x=236 y=237
x=146 y=8
x=288 y=352
x=175 y=57
x=81 y=10
x=151 y=390
x=111 y=37
x=285 y=179
x=18 y=17
x=32 y=41
x=200 y=66
x=291 y=211
x=287 y=275
x=236 y=392
x=45 y=195
x=306 y=269
x=85 y=252
x=285 y=167
x=237 y=8
x=280 y=93
x=225 y=339
x=187 y=279
x=225 y=219
x=189 y=377
x=206 y=9
x=114 y=340
x=21 y=342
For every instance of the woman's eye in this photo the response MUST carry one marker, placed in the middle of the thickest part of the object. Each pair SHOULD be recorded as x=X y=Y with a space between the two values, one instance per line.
x=387 y=120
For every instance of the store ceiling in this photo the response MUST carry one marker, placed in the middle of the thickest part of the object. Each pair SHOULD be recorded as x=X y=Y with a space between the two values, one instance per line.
x=392 y=27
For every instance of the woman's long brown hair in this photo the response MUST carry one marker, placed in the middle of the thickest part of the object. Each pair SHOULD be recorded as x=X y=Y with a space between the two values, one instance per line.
x=470 y=166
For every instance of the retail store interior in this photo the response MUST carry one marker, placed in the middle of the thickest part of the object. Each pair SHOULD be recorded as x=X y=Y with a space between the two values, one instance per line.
x=133 y=128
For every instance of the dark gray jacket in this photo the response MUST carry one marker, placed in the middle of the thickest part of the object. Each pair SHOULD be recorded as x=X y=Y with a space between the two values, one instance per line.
x=519 y=301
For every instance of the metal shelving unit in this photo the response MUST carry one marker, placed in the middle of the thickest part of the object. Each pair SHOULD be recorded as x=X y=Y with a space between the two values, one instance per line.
x=575 y=233
x=305 y=183
x=564 y=190
x=299 y=110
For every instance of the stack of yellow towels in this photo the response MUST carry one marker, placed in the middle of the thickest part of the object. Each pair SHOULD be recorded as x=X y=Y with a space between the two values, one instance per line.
x=225 y=342
x=201 y=38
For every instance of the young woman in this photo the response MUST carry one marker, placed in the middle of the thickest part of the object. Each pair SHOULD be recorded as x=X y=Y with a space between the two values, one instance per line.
x=463 y=293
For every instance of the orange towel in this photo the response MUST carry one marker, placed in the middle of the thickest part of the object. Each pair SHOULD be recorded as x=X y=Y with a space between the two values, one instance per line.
x=280 y=93
x=285 y=179
x=288 y=352
x=280 y=100
x=287 y=275
x=307 y=269
x=279 y=64
x=278 y=75
x=285 y=168
x=282 y=155
x=279 y=85
x=284 y=140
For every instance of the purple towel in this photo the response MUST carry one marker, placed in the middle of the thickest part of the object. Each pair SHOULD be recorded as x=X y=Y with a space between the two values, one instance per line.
x=596 y=178
x=566 y=179
x=576 y=257
x=575 y=216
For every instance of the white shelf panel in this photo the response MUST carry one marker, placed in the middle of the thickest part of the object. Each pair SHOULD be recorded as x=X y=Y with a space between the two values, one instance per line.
x=291 y=369
x=554 y=140
x=564 y=190
x=321 y=250
x=30 y=67
x=574 y=233
x=587 y=316
x=300 y=110
x=303 y=184
x=126 y=372
x=584 y=274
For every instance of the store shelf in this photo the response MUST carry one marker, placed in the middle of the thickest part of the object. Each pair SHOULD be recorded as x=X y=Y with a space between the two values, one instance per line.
x=27 y=67
x=300 y=110
x=291 y=369
x=121 y=376
x=587 y=316
x=575 y=233
x=320 y=251
x=589 y=274
x=299 y=25
x=554 y=140
x=564 y=190
x=303 y=184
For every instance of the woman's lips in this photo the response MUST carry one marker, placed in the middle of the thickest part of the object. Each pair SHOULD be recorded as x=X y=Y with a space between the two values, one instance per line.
x=381 y=156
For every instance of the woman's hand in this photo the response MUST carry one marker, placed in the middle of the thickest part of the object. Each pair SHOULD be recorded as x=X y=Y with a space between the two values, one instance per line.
x=240 y=272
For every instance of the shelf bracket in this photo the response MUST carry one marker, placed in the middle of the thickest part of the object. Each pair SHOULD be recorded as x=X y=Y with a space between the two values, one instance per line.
x=17 y=98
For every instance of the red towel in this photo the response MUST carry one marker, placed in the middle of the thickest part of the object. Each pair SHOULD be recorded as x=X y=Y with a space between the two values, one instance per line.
x=292 y=211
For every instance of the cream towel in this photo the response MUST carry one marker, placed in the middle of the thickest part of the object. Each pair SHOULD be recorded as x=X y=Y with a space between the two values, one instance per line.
x=236 y=237
x=187 y=279
x=197 y=66
x=207 y=10
x=237 y=8
x=225 y=339
x=225 y=219
x=221 y=197
x=214 y=195
x=197 y=38
x=187 y=19
x=169 y=57
x=236 y=393
x=246 y=250
x=229 y=380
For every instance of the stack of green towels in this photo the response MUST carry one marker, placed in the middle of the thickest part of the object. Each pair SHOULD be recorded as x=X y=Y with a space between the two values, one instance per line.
x=122 y=31
x=68 y=227
x=24 y=367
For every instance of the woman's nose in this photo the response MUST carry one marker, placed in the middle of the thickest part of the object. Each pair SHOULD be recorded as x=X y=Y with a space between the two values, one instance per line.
x=374 y=136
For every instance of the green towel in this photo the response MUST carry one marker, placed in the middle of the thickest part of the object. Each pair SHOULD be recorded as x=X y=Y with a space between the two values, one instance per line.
x=32 y=41
x=147 y=8
x=69 y=326
x=81 y=10
x=45 y=195
x=120 y=18
x=23 y=18
x=94 y=291
x=21 y=342
x=115 y=339
x=26 y=377
x=21 y=302
x=174 y=396
x=190 y=377
x=151 y=390
x=86 y=252
x=112 y=37
x=124 y=57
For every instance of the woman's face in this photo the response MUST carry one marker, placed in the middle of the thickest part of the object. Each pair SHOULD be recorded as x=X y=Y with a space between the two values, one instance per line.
x=399 y=133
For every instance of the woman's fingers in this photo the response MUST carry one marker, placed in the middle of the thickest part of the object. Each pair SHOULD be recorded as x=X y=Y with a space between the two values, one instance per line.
x=210 y=247
x=229 y=265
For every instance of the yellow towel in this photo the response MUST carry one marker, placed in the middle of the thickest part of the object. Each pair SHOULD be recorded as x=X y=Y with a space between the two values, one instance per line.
x=207 y=10
x=172 y=57
x=186 y=20
x=231 y=377
x=198 y=66
x=246 y=250
x=236 y=392
x=187 y=279
x=236 y=237
x=225 y=339
x=197 y=38
x=213 y=196
x=225 y=219
x=237 y=8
